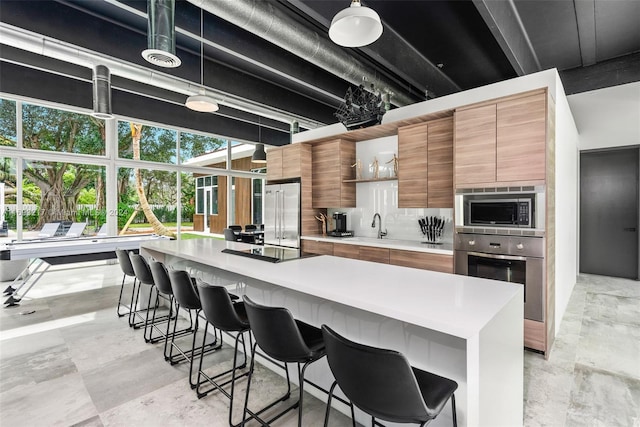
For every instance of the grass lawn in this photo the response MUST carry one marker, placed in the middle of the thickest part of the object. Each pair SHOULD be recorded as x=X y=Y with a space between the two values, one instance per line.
x=187 y=236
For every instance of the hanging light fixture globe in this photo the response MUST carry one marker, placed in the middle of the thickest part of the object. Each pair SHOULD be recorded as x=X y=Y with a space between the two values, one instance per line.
x=201 y=103
x=355 y=26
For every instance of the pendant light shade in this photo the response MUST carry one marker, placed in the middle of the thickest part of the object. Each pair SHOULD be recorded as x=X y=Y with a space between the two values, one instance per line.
x=259 y=155
x=101 y=93
x=202 y=103
x=355 y=26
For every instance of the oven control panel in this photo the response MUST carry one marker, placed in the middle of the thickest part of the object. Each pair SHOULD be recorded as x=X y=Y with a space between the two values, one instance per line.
x=498 y=244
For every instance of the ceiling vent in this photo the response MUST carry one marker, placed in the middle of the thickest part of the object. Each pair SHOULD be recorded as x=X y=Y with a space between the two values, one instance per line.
x=161 y=34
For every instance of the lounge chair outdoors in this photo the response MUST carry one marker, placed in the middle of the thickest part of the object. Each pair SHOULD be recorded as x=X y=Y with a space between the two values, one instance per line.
x=76 y=229
x=103 y=230
x=49 y=229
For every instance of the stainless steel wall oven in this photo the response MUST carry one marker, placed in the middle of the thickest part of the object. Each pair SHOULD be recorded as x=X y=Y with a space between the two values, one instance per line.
x=515 y=259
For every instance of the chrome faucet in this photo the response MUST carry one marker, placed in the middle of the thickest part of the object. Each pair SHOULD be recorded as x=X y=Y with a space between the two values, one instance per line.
x=381 y=233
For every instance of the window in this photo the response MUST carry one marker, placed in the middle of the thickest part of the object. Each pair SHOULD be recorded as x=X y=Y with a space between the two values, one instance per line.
x=155 y=144
x=202 y=150
x=51 y=129
x=8 y=136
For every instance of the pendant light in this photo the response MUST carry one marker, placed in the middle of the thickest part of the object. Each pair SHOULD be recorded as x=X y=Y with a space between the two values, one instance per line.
x=259 y=155
x=201 y=102
x=355 y=26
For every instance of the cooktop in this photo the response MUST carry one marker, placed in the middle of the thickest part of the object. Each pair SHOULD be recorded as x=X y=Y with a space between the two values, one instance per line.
x=269 y=253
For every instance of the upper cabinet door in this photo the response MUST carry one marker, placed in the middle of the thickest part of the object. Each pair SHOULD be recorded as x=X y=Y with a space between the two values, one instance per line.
x=274 y=164
x=440 y=169
x=475 y=145
x=331 y=165
x=521 y=139
x=291 y=161
x=413 y=166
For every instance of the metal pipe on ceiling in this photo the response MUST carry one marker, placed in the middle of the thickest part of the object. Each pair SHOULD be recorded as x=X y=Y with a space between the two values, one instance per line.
x=56 y=49
x=264 y=20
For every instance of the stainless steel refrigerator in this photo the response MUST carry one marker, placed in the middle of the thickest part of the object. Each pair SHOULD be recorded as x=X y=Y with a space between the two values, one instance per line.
x=282 y=215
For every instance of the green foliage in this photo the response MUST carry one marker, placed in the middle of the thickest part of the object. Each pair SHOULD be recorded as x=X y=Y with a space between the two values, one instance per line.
x=124 y=212
x=87 y=196
x=8 y=134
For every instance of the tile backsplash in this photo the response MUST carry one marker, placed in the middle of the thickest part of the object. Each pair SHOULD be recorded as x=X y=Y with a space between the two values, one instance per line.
x=382 y=197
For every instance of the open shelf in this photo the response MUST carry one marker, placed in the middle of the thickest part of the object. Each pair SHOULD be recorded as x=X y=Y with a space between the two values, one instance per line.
x=395 y=178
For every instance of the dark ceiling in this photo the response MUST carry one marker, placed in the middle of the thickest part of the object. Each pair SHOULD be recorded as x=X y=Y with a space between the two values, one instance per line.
x=271 y=62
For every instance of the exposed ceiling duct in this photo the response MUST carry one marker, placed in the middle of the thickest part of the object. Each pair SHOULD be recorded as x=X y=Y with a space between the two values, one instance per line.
x=46 y=46
x=264 y=20
x=161 y=34
x=102 y=92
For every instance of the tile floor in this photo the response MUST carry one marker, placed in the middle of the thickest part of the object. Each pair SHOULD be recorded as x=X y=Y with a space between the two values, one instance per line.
x=72 y=362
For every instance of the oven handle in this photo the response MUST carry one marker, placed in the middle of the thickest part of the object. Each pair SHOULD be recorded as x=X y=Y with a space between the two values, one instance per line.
x=498 y=256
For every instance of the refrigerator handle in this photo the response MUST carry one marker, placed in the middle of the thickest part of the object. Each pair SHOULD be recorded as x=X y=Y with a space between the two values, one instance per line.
x=275 y=217
x=282 y=216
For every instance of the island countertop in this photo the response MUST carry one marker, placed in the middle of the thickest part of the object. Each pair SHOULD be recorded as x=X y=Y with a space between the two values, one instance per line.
x=452 y=304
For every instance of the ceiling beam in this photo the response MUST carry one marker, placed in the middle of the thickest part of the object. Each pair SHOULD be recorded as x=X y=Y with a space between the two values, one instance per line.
x=586 y=17
x=503 y=20
x=614 y=72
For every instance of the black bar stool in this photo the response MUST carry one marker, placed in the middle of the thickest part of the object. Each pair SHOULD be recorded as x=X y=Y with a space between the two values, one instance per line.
x=144 y=276
x=229 y=317
x=187 y=298
x=395 y=391
x=163 y=286
x=127 y=271
x=286 y=340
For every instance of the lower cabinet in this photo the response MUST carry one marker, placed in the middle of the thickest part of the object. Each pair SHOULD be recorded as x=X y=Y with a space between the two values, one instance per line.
x=414 y=259
x=534 y=335
x=423 y=260
x=317 y=247
x=346 y=251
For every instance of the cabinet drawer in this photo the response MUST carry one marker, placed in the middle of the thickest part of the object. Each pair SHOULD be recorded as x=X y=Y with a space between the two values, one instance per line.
x=369 y=253
x=346 y=251
x=317 y=247
x=423 y=260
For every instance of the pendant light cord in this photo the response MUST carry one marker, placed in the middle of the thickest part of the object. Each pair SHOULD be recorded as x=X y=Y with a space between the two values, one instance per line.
x=201 y=49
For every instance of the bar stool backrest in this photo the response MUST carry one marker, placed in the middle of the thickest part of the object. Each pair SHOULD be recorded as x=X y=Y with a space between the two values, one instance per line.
x=219 y=310
x=125 y=262
x=141 y=268
x=250 y=227
x=378 y=381
x=183 y=290
x=236 y=227
x=161 y=277
x=229 y=235
x=276 y=332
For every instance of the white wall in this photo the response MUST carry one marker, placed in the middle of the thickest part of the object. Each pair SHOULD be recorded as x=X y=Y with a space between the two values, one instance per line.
x=566 y=203
x=607 y=117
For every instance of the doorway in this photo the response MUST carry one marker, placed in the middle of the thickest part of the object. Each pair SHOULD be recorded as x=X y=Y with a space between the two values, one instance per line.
x=208 y=203
x=609 y=212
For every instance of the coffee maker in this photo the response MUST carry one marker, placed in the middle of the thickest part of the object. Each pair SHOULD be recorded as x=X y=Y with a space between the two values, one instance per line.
x=340 y=219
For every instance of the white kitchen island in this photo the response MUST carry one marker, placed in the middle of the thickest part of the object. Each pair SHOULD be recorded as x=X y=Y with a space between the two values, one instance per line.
x=464 y=328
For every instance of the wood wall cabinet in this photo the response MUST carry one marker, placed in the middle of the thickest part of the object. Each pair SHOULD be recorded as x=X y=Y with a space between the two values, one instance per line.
x=502 y=142
x=423 y=260
x=412 y=166
x=475 y=145
x=331 y=165
x=425 y=172
x=284 y=162
x=521 y=139
x=440 y=167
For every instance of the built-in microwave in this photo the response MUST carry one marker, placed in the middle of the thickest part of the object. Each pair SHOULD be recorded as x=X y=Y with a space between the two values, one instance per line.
x=496 y=211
